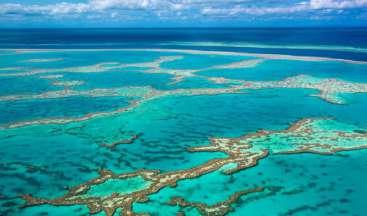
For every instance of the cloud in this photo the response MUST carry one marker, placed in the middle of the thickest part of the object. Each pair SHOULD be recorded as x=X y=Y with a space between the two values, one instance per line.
x=90 y=7
x=336 y=4
x=252 y=10
x=312 y=5
x=178 y=8
x=59 y=8
x=124 y=4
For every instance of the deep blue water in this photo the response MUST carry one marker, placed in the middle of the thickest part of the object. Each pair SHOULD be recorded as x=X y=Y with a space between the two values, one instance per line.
x=154 y=38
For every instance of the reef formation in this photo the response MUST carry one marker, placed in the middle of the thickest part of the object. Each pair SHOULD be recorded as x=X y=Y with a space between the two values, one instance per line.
x=318 y=136
x=105 y=188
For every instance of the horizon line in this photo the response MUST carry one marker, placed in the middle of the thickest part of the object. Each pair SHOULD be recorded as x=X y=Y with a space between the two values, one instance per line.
x=208 y=27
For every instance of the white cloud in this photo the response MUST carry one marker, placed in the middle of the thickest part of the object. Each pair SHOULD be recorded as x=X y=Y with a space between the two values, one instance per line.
x=127 y=4
x=59 y=8
x=337 y=4
x=178 y=8
x=312 y=5
x=253 y=10
x=78 y=8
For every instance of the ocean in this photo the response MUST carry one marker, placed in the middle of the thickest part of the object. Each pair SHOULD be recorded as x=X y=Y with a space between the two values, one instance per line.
x=183 y=121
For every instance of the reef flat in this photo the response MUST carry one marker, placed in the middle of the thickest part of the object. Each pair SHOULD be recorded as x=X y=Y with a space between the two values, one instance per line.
x=330 y=91
x=179 y=132
x=306 y=136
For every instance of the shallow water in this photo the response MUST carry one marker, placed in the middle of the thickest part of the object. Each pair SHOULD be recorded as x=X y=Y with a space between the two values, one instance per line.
x=68 y=115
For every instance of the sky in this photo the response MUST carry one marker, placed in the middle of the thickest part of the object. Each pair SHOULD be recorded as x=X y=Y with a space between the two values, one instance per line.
x=182 y=13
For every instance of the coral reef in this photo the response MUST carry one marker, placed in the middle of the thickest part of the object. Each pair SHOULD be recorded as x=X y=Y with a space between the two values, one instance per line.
x=320 y=136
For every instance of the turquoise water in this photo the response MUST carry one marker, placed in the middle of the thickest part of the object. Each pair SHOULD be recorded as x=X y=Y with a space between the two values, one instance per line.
x=58 y=136
x=280 y=69
x=24 y=85
x=297 y=188
x=34 y=109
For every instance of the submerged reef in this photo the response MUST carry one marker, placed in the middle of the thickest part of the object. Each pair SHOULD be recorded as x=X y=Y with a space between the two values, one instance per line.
x=330 y=91
x=266 y=46
x=44 y=60
x=155 y=66
x=96 y=68
x=67 y=84
x=257 y=55
x=138 y=94
x=125 y=141
x=221 y=208
x=161 y=145
x=318 y=136
x=56 y=76
x=241 y=64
